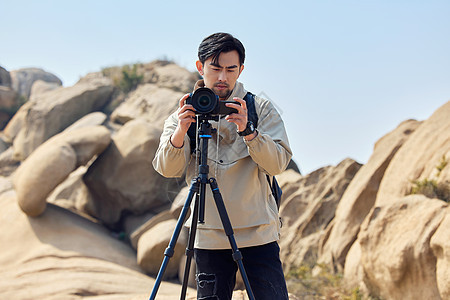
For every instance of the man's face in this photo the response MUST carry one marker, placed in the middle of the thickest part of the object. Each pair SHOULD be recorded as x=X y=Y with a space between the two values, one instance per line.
x=222 y=75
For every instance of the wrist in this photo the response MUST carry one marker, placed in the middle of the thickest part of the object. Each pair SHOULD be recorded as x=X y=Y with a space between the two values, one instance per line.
x=177 y=138
x=250 y=137
x=248 y=130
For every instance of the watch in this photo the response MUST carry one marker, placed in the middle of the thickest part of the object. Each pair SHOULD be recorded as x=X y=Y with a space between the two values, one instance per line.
x=248 y=130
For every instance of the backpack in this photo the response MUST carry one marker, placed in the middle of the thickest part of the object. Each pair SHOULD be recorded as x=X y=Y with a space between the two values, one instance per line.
x=252 y=116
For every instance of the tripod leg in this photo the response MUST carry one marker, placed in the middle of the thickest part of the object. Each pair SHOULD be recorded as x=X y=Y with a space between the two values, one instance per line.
x=168 y=253
x=237 y=255
x=190 y=248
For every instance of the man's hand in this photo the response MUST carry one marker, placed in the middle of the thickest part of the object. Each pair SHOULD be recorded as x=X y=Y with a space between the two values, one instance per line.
x=241 y=117
x=186 y=116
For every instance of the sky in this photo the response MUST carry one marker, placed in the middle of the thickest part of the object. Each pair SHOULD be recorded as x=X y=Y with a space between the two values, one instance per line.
x=341 y=73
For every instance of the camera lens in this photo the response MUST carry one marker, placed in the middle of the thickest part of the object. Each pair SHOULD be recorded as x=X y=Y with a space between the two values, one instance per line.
x=204 y=100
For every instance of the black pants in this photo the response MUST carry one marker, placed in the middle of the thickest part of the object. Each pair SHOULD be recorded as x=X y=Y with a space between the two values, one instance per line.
x=216 y=273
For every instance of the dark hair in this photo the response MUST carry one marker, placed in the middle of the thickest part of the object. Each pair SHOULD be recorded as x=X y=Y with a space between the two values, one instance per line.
x=217 y=43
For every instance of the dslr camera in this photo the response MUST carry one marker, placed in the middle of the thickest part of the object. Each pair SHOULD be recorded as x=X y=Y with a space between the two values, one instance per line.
x=207 y=103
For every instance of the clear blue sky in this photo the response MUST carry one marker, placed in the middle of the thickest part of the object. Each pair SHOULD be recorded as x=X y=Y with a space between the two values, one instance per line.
x=343 y=73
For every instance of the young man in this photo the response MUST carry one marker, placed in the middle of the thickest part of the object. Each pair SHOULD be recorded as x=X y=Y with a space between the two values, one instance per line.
x=245 y=155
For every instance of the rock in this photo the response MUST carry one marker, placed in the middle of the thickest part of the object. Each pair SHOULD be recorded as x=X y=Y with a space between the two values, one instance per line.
x=306 y=212
x=40 y=174
x=353 y=271
x=8 y=165
x=61 y=255
x=152 y=222
x=440 y=244
x=179 y=202
x=289 y=182
x=15 y=125
x=396 y=256
x=52 y=162
x=72 y=194
x=151 y=247
x=5 y=77
x=174 y=77
x=165 y=74
x=9 y=103
x=7 y=98
x=149 y=102
x=40 y=87
x=122 y=179
x=418 y=159
x=54 y=112
x=5 y=185
x=93 y=119
x=360 y=196
x=22 y=80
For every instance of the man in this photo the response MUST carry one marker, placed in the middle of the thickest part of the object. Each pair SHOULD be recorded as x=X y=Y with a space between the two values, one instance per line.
x=239 y=163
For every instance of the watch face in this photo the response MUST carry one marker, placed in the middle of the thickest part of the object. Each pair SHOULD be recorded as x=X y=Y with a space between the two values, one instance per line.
x=252 y=127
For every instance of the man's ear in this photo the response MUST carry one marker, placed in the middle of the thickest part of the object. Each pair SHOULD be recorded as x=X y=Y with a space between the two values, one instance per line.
x=241 y=68
x=199 y=66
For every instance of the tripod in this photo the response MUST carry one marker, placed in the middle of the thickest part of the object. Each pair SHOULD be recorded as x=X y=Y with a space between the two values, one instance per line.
x=198 y=189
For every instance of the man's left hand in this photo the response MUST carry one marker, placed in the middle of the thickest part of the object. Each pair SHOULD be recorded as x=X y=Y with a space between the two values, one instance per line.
x=240 y=118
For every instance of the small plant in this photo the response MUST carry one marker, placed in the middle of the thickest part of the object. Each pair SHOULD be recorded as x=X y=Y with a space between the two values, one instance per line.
x=432 y=188
x=319 y=282
x=442 y=164
x=130 y=79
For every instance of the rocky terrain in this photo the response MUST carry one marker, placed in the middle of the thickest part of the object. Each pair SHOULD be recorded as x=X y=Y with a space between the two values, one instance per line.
x=84 y=215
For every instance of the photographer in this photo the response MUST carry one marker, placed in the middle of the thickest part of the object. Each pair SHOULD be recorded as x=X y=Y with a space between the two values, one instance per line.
x=239 y=163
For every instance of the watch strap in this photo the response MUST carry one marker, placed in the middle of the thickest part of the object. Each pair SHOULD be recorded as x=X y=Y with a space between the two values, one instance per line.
x=248 y=130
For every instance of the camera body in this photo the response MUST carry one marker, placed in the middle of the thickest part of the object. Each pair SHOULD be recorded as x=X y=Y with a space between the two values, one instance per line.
x=207 y=103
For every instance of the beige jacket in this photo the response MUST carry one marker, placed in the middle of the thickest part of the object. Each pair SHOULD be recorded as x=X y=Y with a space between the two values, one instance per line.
x=240 y=168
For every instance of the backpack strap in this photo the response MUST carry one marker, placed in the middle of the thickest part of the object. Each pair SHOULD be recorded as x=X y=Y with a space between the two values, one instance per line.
x=251 y=109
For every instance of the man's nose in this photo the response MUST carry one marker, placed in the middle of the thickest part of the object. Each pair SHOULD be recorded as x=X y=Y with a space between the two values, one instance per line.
x=223 y=75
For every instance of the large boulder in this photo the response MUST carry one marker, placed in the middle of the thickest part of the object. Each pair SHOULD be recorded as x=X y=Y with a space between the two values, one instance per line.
x=9 y=103
x=421 y=160
x=54 y=111
x=5 y=77
x=165 y=74
x=360 y=196
x=23 y=79
x=151 y=247
x=396 y=255
x=149 y=102
x=53 y=161
x=306 y=212
x=73 y=194
x=440 y=244
x=122 y=179
x=61 y=255
x=40 y=87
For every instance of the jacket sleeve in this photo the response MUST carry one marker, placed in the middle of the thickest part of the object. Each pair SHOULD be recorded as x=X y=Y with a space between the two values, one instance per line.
x=270 y=148
x=170 y=161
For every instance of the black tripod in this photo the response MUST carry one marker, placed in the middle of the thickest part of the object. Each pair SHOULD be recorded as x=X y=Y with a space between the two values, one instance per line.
x=198 y=188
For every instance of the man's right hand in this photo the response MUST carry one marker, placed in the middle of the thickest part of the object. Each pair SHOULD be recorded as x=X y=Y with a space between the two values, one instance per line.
x=186 y=116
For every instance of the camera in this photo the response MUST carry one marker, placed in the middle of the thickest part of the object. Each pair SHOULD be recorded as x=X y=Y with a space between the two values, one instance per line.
x=207 y=103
